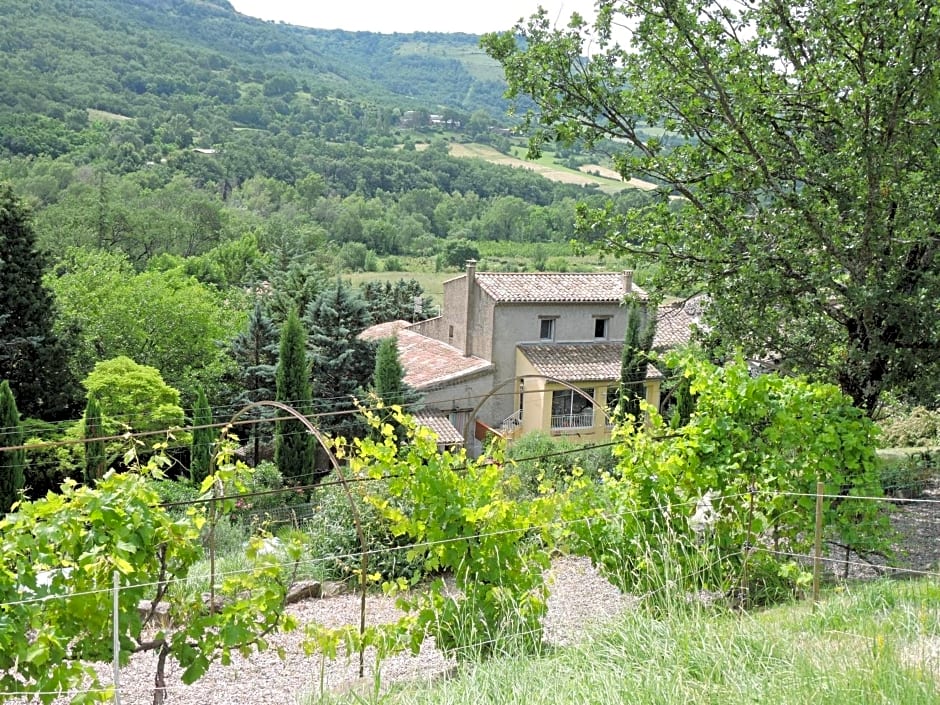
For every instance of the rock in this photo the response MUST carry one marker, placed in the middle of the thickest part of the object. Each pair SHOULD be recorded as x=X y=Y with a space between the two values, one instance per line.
x=304 y=590
x=160 y=617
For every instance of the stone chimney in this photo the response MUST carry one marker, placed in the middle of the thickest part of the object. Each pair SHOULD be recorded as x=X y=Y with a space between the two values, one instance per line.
x=468 y=312
x=627 y=282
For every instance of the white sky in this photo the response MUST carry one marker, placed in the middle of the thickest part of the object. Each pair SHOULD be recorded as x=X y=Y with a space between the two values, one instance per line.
x=472 y=16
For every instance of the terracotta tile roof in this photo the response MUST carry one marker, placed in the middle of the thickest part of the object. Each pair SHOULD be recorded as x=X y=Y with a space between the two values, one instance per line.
x=674 y=324
x=428 y=362
x=555 y=287
x=445 y=431
x=580 y=362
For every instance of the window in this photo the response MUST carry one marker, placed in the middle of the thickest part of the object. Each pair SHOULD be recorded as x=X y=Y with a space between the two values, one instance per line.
x=572 y=410
x=546 y=329
x=601 y=328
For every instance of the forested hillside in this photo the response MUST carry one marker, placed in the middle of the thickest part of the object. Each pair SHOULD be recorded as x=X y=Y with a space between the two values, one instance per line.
x=170 y=164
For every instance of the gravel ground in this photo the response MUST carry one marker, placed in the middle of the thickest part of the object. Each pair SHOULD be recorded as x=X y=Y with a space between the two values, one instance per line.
x=579 y=598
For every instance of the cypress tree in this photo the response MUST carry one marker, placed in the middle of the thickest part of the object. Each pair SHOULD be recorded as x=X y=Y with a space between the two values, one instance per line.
x=388 y=383
x=294 y=447
x=32 y=358
x=255 y=352
x=95 y=459
x=638 y=340
x=12 y=462
x=200 y=456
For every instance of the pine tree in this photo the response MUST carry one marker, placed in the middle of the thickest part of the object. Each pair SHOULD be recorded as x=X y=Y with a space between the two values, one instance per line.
x=255 y=353
x=638 y=340
x=294 y=447
x=342 y=362
x=12 y=462
x=200 y=457
x=32 y=358
x=95 y=458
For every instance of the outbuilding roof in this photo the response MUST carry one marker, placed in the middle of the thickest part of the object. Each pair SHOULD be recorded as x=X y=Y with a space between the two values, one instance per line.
x=428 y=362
x=446 y=432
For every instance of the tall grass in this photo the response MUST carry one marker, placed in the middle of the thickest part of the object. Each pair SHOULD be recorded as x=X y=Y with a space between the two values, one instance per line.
x=871 y=645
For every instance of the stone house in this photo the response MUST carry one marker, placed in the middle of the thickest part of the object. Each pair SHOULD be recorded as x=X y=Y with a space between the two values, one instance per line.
x=513 y=353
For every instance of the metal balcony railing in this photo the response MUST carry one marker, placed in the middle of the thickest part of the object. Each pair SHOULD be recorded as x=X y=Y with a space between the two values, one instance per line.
x=583 y=420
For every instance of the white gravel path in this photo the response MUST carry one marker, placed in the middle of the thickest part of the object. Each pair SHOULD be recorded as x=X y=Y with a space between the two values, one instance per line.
x=579 y=597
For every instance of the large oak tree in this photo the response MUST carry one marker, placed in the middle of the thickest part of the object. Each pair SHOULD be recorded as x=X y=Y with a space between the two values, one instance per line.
x=798 y=149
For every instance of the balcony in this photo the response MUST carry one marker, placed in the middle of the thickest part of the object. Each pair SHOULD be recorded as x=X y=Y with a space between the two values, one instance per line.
x=570 y=421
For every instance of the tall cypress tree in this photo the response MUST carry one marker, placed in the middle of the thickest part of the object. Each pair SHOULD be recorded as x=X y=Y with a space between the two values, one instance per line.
x=12 y=462
x=200 y=456
x=32 y=358
x=388 y=380
x=638 y=340
x=342 y=362
x=388 y=383
x=255 y=352
x=95 y=459
x=294 y=447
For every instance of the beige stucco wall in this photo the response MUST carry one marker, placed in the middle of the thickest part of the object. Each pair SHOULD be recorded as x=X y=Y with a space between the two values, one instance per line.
x=537 y=403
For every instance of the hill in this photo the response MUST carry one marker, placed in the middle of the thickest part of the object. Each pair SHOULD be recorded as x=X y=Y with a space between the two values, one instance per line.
x=202 y=58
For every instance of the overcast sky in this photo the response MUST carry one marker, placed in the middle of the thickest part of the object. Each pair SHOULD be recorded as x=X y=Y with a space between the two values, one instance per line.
x=472 y=16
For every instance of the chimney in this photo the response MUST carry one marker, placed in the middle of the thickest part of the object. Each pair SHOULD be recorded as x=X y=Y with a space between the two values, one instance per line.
x=627 y=281
x=468 y=313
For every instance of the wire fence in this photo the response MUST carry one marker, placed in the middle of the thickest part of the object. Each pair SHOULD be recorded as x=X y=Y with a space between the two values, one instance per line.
x=916 y=541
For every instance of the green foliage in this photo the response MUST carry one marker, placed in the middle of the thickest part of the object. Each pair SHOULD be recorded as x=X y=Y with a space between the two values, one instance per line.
x=907 y=475
x=390 y=302
x=12 y=478
x=255 y=352
x=638 y=339
x=461 y=516
x=164 y=319
x=740 y=474
x=96 y=461
x=200 y=457
x=388 y=383
x=457 y=252
x=56 y=553
x=342 y=362
x=333 y=539
x=133 y=396
x=33 y=360
x=802 y=179
x=907 y=429
x=543 y=462
x=293 y=445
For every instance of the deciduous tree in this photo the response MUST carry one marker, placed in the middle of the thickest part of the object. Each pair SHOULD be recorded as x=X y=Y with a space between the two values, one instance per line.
x=799 y=162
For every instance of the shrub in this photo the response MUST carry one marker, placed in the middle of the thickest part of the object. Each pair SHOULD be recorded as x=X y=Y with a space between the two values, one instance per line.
x=332 y=535
x=917 y=428
x=541 y=461
x=741 y=472
x=906 y=476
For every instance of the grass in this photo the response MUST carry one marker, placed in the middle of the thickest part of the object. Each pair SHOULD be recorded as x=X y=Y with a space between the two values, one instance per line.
x=546 y=166
x=873 y=643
